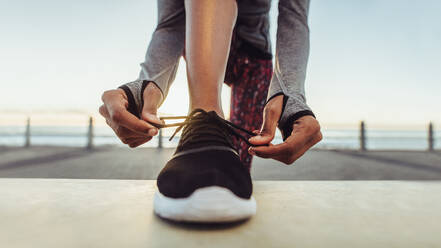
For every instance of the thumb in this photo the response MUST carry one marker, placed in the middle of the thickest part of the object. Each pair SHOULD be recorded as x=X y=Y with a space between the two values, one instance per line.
x=271 y=115
x=152 y=118
x=150 y=114
x=265 y=135
x=267 y=131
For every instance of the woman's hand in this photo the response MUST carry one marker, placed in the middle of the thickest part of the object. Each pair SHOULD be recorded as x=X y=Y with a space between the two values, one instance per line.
x=305 y=134
x=129 y=129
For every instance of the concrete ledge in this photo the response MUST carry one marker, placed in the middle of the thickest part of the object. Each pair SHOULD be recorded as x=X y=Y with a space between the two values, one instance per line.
x=118 y=213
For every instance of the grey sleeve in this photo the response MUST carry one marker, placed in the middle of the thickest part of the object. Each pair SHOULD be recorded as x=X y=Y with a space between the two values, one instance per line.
x=163 y=54
x=292 y=51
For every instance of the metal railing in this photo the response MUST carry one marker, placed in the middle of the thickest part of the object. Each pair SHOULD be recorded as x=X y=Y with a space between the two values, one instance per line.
x=430 y=137
x=362 y=136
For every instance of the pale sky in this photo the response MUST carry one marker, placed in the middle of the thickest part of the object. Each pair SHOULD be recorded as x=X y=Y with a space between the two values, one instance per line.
x=377 y=60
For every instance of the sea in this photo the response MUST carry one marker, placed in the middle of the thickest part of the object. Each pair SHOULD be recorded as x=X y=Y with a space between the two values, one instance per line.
x=333 y=138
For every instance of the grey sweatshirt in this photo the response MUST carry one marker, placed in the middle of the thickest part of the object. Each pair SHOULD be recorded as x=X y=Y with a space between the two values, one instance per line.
x=252 y=28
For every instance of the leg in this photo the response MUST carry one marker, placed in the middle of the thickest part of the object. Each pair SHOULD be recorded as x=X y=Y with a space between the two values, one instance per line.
x=209 y=26
x=249 y=79
x=205 y=181
x=249 y=69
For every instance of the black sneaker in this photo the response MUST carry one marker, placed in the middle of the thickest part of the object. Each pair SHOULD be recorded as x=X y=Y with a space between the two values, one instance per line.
x=205 y=181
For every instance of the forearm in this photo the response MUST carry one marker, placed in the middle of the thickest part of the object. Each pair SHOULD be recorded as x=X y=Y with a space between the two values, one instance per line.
x=292 y=51
x=163 y=54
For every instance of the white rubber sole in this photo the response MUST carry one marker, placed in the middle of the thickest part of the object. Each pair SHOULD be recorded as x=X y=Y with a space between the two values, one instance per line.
x=208 y=204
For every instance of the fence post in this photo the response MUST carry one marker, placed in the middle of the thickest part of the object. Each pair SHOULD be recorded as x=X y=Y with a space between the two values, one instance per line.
x=160 y=138
x=430 y=137
x=28 y=133
x=90 y=134
x=362 y=136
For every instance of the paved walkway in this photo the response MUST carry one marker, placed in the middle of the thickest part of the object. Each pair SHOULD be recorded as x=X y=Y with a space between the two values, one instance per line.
x=145 y=163
x=118 y=213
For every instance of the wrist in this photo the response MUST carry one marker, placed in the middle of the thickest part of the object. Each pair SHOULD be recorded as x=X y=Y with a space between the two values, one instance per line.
x=288 y=125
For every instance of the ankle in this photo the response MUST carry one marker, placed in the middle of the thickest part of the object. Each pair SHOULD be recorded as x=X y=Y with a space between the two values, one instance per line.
x=209 y=108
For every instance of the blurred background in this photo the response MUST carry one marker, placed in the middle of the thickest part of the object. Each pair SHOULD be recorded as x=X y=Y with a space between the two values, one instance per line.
x=373 y=81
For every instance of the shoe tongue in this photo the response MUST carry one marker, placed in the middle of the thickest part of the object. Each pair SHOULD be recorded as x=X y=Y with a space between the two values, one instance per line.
x=204 y=130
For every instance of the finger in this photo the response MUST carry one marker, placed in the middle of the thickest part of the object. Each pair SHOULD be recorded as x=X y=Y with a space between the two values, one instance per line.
x=122 y=117
x=103 y=111
x=138 y=142
x=116 y=104
x=289 y=151
x=288 y=147
x=291 y=158
x=128 y=140
x=151 y=118
x=121 y=132
x=111 y=125
x=268 y=129
x=267 y=132
x=302 y=138
x=251 y=151
x=136 y=139
x=271 y=151
x=110 y=96
x=309 y=143
x=124 y=133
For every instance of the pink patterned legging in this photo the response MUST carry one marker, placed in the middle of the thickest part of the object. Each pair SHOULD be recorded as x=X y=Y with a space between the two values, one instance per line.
x=249 y=79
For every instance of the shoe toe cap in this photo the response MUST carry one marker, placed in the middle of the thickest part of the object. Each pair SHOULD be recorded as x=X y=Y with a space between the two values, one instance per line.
x=184 y=174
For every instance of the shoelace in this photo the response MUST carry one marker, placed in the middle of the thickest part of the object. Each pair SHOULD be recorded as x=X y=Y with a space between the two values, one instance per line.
x=188 y=120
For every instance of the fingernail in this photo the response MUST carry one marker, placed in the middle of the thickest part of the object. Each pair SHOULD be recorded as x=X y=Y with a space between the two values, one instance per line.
x=254 y=137
x=152 y=132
